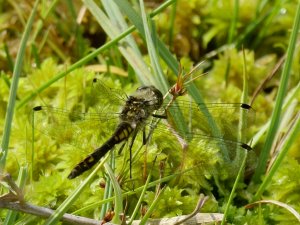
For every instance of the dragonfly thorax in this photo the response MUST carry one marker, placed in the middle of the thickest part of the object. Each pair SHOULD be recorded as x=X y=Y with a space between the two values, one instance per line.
x=140 y=105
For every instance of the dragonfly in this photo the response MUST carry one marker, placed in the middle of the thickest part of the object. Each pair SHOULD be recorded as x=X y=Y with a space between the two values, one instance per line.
x=143 y=109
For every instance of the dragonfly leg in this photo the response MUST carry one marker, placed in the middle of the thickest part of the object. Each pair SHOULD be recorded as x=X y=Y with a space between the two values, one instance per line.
x=145 y=138
x=121 y=148
x=163 y=116
x=130 y=152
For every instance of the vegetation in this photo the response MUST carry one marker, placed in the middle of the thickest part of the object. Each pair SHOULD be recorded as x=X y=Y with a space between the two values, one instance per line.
x=50 y=53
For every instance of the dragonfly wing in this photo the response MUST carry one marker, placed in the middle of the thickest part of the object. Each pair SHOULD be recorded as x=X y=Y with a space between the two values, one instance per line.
x=82 y=130
x=107 y=99
x=220 y=120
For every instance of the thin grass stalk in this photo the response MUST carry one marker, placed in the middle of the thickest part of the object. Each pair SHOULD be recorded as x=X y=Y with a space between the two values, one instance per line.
x=252 y=26
x=91 y=56
x=136 y=20
x=106 y=195
x=243 y=119
x=172 y=23
x=9 y=59
x=276 y=7
x=159 y=78
x=234 y=21
x=56 y=216
x=243 y=154
x=152 y=207
x=231 y=35
x=276 y=165
x=108 y=187
x=128 y=46
x=134 y=192
x=232 y=193
x=118 y=207
x=141 y=197
x=279 y=100
x=291 y=95
x=14 y=87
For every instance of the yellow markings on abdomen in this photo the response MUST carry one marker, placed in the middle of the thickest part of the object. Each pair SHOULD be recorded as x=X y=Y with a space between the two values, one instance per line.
x=88 y=161
x=123 y=134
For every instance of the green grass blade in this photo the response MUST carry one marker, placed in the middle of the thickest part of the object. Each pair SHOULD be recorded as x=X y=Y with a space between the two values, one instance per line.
x=152 y=207
x=129 y=52
x=108 y=187
x=284 y=150
x=291 y=95
x=118 y=206
x=135 y=191
x=56 y=216
x=233 y=23
x=251 y=28
x=138 y=205
x=134 y=18
x=231 y=35
x=79 y=63
x=236 y=182
x=8 y=57
x=14 y=87
x=279 y=100
x=160 y=80
x=243 y=117
x=171 y=61
x=172 y=24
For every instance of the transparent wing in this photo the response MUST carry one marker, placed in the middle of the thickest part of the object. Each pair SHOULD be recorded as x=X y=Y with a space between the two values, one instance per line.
x=197 y=153
x=75 y=128
x=83 y=129
x=219 y=120
x=107 y=99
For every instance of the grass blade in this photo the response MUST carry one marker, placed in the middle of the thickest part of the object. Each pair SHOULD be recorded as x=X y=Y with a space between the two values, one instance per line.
x=287 y=145
x=14 y=87
x=72 y=198
x=118 y=195
x=137 y=207
x=279 y=100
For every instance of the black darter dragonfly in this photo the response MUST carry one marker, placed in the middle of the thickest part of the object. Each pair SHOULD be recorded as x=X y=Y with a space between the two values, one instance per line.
x=140 y=110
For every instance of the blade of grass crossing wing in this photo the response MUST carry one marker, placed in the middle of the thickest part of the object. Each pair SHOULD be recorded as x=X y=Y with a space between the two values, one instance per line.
x=14 y=87
x=241 y=156
x=160 y=78
x=193 y=91
x=243 y=117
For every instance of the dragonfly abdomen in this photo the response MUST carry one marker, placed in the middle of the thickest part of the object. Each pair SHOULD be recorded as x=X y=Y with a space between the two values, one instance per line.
x=122 y=133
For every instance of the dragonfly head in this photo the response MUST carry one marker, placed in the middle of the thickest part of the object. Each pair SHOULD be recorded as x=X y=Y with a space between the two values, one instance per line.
x=151 y=96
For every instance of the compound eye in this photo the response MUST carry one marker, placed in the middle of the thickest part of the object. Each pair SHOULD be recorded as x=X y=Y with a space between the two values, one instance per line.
x=142 y=88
